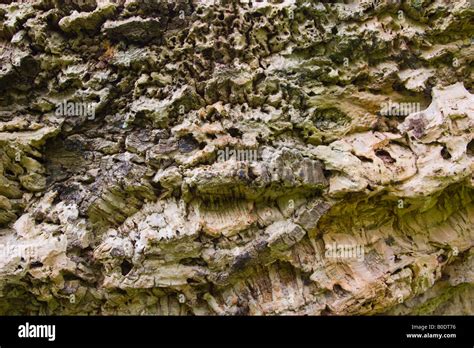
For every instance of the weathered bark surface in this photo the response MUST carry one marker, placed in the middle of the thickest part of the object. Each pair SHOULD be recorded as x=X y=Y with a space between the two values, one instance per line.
x=138 y=209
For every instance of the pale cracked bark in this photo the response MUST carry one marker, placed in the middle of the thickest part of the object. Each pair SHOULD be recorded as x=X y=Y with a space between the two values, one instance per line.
x=131 y=210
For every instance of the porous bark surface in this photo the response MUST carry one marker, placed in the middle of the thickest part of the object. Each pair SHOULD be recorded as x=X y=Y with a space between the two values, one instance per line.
x=361 y=117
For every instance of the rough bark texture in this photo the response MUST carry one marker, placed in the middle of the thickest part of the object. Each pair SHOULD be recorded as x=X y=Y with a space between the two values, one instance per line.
x=140 y=207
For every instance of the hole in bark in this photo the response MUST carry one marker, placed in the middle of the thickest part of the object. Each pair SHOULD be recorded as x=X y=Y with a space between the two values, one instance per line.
x=327 y=173
x=241 y=261
x=67 y=276
x=234 y=132
x=365 y=159
x=385 y=156
x=126 y=267
x=338 y=290
x=207 y=53
x=191 y=281
x=327 y=119
x=187 y=144
x=470 y=148
x=36 y=264
x=66 y=193
x=252 y=176
x=445 y=153
x=9 y=174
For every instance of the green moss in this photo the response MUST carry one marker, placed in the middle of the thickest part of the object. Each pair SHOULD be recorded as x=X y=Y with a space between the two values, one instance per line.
x=431 y=305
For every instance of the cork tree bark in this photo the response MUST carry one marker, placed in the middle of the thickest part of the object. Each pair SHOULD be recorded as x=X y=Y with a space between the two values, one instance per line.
x=236 y=158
